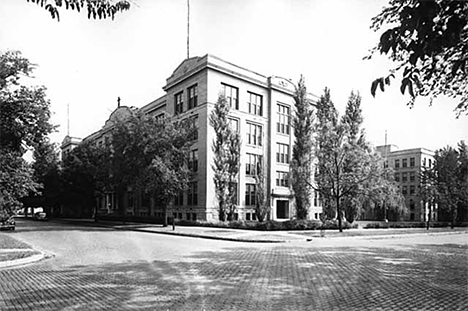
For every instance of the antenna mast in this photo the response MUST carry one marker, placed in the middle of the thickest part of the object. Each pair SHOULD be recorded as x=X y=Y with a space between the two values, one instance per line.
x=188 y=28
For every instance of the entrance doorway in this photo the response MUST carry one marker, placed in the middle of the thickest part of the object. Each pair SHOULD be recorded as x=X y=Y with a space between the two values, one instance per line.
x=282 y=209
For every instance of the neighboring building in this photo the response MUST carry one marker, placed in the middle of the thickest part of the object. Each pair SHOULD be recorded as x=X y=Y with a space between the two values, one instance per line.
x=261 y=110
x=408 y=165
x=68 y=144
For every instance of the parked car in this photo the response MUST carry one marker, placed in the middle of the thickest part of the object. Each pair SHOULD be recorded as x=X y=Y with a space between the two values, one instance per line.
x=7 y=223
x=40 y=216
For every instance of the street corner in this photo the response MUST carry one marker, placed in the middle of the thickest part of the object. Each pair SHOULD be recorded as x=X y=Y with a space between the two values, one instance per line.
x=18 y=258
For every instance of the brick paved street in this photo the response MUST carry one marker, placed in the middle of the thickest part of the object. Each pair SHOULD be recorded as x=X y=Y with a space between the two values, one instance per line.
x=109 y=270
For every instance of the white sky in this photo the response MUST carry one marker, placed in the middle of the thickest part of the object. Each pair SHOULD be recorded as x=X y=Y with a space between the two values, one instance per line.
x=88 y=63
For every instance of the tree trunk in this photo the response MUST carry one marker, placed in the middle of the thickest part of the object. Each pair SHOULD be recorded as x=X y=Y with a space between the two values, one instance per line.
x=338 y=210
x=164 y=213
x=429 y=217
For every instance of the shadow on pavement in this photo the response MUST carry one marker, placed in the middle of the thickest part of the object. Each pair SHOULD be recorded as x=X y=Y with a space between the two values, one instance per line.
x=270 y=278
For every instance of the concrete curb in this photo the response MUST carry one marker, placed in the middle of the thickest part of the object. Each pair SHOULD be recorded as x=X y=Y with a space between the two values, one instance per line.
x=190 y=235
x=23 y=261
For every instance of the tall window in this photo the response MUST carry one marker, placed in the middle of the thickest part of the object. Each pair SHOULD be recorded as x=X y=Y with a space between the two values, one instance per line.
x=411 y=189
x=404 y=190
x=412 y=176
x=404 y=177
x=282 y=124
x=282 y=153
x=397 y=163
x=252 y=161
x=192 y=97
x=397 y=177
x=255 y=104
x=250 y=194
x=130 y=199
x=234 y=124
x=232 y=95
x=405 y=162
x=179 y=199
x=282 y=179
x=179 y=103
x=254 y=134
x=193 y=161
x=411 y=162
x=192 y=195
x=316 y=200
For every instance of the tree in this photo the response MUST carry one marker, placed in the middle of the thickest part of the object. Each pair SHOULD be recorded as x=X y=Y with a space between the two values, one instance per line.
x=346 y=167
x=95 y=8
x=428 y=41
x=151 y=155
x=450 y=180
x=302 y=153
x=85 y=176
x=226 y=162
x=24 y=125
x=262 y=206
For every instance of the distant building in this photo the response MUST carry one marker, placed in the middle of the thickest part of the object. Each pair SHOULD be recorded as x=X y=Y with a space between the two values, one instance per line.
x=68 y=144
x=261 y=110
x=408 y=165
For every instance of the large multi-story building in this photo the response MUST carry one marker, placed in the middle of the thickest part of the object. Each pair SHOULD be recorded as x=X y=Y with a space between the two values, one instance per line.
x=408 y=165
x=261 y=109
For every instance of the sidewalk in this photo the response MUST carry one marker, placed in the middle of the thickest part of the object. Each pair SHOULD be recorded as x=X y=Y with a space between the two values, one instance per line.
x=254 y=236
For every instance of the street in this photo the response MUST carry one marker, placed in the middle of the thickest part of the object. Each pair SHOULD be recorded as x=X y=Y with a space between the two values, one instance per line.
x=97 y=268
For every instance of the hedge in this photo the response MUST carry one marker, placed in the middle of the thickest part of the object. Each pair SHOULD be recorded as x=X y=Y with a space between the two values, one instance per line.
x=419 y=224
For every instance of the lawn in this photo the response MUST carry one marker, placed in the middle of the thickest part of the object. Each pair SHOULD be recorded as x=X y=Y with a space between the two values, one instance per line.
x=7 y=242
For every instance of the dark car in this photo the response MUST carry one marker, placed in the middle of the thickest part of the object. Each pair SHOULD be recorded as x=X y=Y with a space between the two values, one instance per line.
x=40 y=216
x=7 y=223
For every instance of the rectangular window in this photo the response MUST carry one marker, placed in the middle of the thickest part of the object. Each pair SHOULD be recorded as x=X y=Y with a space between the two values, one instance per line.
x=282 y=153
x=411 y=204
x=255 y=104
x=405 y=162
x=130 y=199
x=397 y=177
x=179 y=103
x=179 y=199
x=282 y=123
x=192 y=196
x=254 y=134
x=397 y=163
x=282 y=179
x=195 y=123
x=411 y=189
x=412 y=162
x=404 y=177
x=412 y=176
x=193 y=161
x=251 y=165
x=234 y=124
x=231 y=94
x=315 y=199
x=247 y=216
x=194 y=216
x=188 y=216
x=404 y=190
x=430 y=163
x=250 y=194
x=192 y=97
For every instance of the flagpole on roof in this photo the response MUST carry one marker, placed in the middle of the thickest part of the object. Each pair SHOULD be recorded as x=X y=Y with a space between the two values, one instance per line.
x=188 y=28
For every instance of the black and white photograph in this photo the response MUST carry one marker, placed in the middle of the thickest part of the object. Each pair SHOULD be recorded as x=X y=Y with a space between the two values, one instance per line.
x=207 y=155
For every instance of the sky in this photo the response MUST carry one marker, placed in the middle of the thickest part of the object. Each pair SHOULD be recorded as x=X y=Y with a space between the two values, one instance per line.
x=86 y=64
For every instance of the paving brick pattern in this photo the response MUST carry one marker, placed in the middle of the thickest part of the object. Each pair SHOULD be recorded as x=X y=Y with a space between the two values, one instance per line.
x=269 y=277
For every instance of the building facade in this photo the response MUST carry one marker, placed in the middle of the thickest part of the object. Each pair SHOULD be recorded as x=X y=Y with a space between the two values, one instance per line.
x=261 y=110
x=408 y=166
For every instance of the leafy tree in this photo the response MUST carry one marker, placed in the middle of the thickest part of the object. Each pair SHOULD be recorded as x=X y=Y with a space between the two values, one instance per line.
x=262 y=206
x=302 y=153
x=85 y=177
x=226 y=148
x=101 y=9
x=24 y=125
x=463 y=177
x=450 y=180
x=151 y=155
x=428 y=41
x=346 y=166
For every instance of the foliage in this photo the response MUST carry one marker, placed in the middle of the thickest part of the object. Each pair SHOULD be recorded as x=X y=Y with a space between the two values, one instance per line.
x=95 y=8
x=151 y=155
x=428 y=41
x=302 y=153
x=226 y=149
x=269 y=225
x=450 y=178
x=24 y=124
x=262 y=205
x=349 y=174
x=16 y=181
x=85 y=175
